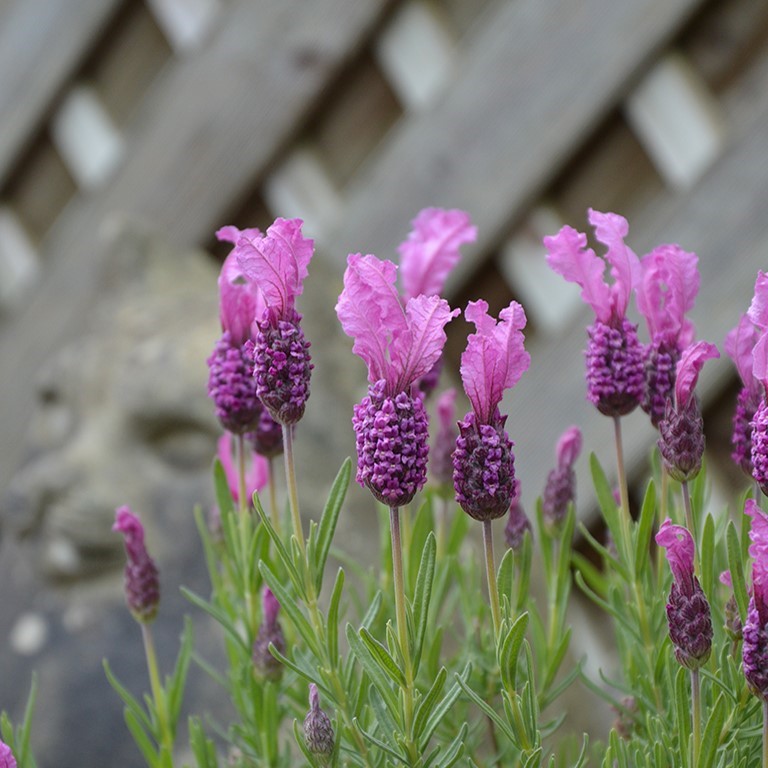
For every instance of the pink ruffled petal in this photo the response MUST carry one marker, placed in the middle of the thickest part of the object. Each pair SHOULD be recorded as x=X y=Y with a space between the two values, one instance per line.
x=667 y=290
x=495 y=358
x=758 y=549
x=446 y=409
x=610 y=230
x=241 y=303
x=760 y=361
x=680 y=550
x=688 y=368
x=230 y=234
x=568 y=447
x=725 y=578
x=432 y=250
x=568 y=255
x=415 y=351
x=739 y=344
x=277 y=262
x=256 y=473
x=370 y=311
x=758 y=309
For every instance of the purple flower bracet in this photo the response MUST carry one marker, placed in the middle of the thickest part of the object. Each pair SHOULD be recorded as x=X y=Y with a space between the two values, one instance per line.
x=440 y=461
x=141 y=581
x=560 y=488
x=517 y=522
x=7 y=760
x=318 y=729
x=391 y=435
x=270 y=633
x=755 y=630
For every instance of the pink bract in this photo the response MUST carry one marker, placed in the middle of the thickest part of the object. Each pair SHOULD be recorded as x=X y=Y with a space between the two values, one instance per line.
x=739 y=345
x=398 y=344
x=446 y=409
x=256 y=475
x=758 y=549
x=570 y=257
x=568 y=447
x=667 y=290
x=276 y=262
x=678 y=542
x=432 y=250
x=760 y=361
x=7 y=760
x=495 y=358
x=758 y=309
x=688 y=368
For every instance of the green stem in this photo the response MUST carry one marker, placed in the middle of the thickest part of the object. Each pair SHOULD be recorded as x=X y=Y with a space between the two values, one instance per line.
x=158 y=695
x=623 y=489
x=293 y=494
x=695 y=716
x=490 y=572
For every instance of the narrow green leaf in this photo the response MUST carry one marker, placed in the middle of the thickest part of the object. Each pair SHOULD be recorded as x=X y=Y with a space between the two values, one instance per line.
x=423 y=525
x=143 y=742
x=131 y=702
x=372 y=612
x=332 y=621
x=505 y=579
x=533 y=759
x=510 y=650
x=683 y=713
x=422 y=596
x=556 y=659
x=202 y=747
x=285 y=557
x=370 y=665
x=177 y=683
x=381 y=745
x=736 y=566
x=217 y=614
x=606 y=606
x=459 y=530
x=605 y=498
x=382 y=657
x=643 y=532
x=329 y=519
x=524 y=557
x=712 y=730
x=455 y=750
x=222 y=493
x=488 y=711
x=424 y=710
x=384 y=717
x=707 y=557
x=592 y=576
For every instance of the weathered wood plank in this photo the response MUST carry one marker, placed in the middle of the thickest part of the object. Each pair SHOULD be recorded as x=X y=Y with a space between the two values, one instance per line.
x=207 y=129
x=41 y=43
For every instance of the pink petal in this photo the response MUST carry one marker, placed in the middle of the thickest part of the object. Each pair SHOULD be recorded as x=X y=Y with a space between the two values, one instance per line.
x=680 y=550
x=241 y=303
x=739 y=344
x=688 y=368
x=277 y=263
x=256 y=472
x=446 y=409
x=568 y=447
x=610 y=230
x=432 y=250
x=568 y=255
x=725 y=578
x=667 y=290
x=415 y=351
x=758 y=549
x=370 y=311
x=495 y=358
x=758 y=309
x=760 y=361
x=230 y=234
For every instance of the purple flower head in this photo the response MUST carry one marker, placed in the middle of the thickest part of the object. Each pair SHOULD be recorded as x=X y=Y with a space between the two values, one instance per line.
x=494 y=359
x=440 y=463
x=270 y=633
x=318 y=729
x=7 y=760
x=266 y=436
x=678 y=542
x=241 y=303
x=256 y=475
x=399 y=344
x=758 y=551
x=755 y=630
x=569 y=256
x=142 y=586
x=432 y=250
x=560 y=489
x=517 y=521
x=688 y=613
x=688 y=368
x=277 y=262
x=667 y=290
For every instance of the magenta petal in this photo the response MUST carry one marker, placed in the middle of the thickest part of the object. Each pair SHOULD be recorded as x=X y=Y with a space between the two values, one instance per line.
x=277 y=263
x=446 y=409
x=256 y=473
x=758 y=549
x=370 y=311
x=230 y=234
x=414 y=352
x=241 y=303
x=758 y=309
x=760 y=361
x=568 y=255
x=739 y=344
x=495 y=358
x=432 y=250
x=610 y=230
x=568 y=447
x=688 y=368
x=680 y=550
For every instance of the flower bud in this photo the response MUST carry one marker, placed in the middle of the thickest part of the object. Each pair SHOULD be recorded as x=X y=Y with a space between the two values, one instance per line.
x=270 y=633
x=7 y=760
x=318 y=730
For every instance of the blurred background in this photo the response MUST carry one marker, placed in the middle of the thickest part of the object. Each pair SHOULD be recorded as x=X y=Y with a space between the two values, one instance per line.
x=130 y=130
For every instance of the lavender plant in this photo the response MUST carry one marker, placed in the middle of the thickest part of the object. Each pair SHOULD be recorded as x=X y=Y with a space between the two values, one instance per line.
x=424 y=661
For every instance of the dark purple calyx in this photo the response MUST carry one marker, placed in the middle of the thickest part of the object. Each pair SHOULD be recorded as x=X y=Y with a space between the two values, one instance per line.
x=690 y=624
x=760 y=446
x=754 y=651
x=681 y=440
x=661 y=358
x=741 y=437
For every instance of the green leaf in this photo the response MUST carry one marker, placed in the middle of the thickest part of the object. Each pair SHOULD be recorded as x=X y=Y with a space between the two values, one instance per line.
x=422 y=596
x=285 y=557
x=505 y=579
x=381 y=656
x=736 y=566
x=424 y=709
x=711 y=738
x=644 y=527
x=203 y=748
x=510 y=650
x=217 y=614
x=592 y=576
x=332 y=622
x=223 y=495
x=329 y=519
x=177 y=682
x=707 y=558
x=683 y=713
x=130 y=701
x=384 y=717
x=455 y=750
x=141 y=738
x=605 y=498
x=372 y=668
x=487 y=710
x=381 y=745
x=524 y=572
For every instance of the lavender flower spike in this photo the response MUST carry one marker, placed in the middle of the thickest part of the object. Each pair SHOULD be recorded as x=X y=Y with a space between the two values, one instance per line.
x=277 y=263
x=399 y=344
x=667 y=290
x=493 y=361
x=7 y=760
x=758 y=314
x=517 y=522
x=688 y=613
x=440 y=464
x=682 y=430
x=615 y=369
x=270 y=633
x=318 y=729
x=560 y=490
x=755 y=630
x=142 y=585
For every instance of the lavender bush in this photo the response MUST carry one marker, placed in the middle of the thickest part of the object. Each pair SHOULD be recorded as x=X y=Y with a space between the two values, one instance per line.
x=409 y=666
